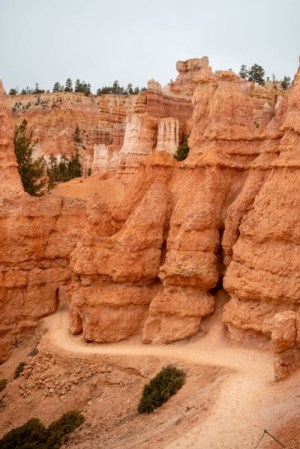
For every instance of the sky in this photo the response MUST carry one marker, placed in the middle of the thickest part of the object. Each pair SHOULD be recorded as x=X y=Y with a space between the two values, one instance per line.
x=133 y=41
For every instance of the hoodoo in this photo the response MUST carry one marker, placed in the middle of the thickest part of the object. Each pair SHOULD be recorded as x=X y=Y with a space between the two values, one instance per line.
x=151 y=263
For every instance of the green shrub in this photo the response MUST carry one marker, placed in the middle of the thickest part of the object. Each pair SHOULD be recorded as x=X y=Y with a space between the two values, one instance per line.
x=34 y=435
x=183 y=150
x=19 y=369
x=3 y=383
x=166 y=383
x=58 y=430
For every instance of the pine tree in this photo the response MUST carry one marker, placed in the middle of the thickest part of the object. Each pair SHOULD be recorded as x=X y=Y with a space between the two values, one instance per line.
x=243 y=72
x=74 y=166
x=62 y=169
x=286 y=82
x=129 y=89
x=13 y=92
x=116 y=87
x=76 y=134
x=77 y=85
x=31 y=171
x=256 y=74
x=57 y=87
x=52 y=172
x=69 y=85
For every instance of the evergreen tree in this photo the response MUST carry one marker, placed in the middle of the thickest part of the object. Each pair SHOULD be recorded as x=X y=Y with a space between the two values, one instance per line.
x=69 y=85
x=77 y=85
x=243 y=72
x=31 y=171
x=116 y=87
x=52 y=172
x=286 y=82
x=76 y=135
x=13 y=92
x=64 y=170
x=256 y=74
x=74 y=166
x=82 y=87
x=57 y=87
x=129 y=89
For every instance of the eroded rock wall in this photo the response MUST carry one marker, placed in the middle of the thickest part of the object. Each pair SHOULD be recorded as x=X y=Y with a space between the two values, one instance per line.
x=54 y=117
x=263 y=276
x=37 y=236
x=188 y=264
x=150 y=264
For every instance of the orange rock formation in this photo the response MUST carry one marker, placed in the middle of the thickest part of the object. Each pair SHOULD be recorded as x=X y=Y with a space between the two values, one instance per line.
x=151 y=263
x=36 y=238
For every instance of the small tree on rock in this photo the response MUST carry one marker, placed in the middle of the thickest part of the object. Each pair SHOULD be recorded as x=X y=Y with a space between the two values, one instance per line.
x=183 y=150
x=30 y=170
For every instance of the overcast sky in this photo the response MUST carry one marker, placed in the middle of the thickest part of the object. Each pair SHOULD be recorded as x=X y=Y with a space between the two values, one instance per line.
x=100 y=41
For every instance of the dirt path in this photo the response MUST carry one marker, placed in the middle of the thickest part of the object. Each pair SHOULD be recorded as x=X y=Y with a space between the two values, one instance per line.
x=236 y=421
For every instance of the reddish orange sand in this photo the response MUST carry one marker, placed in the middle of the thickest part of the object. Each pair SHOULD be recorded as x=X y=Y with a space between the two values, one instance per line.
x=110 y=189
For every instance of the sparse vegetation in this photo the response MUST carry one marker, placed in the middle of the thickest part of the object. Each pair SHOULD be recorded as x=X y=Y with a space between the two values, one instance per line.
x=34 y=435
x=183 y=150
x=256 y=74
x=3 y=383
x=120 y=90
x=19 y=369
x=165 y=384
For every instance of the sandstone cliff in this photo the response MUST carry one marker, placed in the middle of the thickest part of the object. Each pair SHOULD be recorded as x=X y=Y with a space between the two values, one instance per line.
x=218 y=200
x=150 y=264
x=263 y=276
x=117 y=131
x=36 y=238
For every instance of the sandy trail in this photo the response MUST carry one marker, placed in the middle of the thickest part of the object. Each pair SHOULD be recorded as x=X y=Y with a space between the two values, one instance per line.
x=236 y=421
